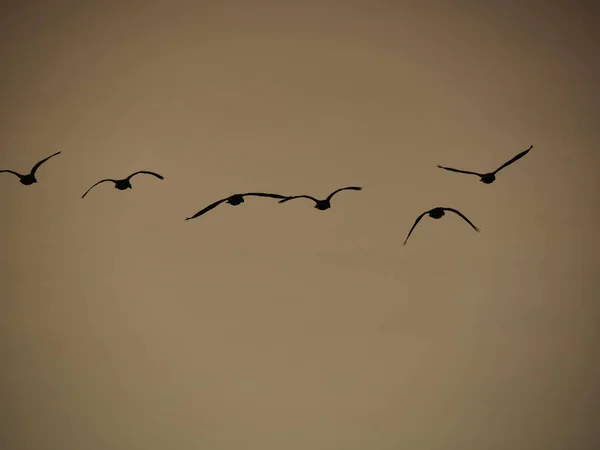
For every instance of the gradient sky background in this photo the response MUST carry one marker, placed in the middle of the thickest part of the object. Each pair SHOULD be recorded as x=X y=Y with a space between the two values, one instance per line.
x=269 y=326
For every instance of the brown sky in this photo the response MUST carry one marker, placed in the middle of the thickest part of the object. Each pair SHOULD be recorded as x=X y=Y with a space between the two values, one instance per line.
x=281 y=327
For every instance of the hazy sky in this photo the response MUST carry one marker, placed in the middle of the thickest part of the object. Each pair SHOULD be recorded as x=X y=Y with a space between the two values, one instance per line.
x=281 y=327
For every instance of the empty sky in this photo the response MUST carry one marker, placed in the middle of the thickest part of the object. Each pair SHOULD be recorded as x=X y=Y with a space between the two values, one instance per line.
x=268 y=326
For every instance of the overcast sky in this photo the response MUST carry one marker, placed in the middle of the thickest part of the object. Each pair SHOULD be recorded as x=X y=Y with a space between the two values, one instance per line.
x=278 y=326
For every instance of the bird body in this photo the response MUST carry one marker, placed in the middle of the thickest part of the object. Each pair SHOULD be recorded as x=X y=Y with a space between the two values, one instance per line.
x=124 y=183
x=438 y=213
x=489 y=178
x=324 y=204
x=234 y=200
x=29 y=179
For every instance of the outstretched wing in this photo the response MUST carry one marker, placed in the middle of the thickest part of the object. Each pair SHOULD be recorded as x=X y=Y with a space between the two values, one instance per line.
x=460 y=171
x=147 y=172
x=37 y=166
x=13 y=172
x=508 y=163
x=208 y=208
x=263 y=194
x=287 y=199
x=413 y=227
x=96 y=184
x=351 y=188
x=455 y=211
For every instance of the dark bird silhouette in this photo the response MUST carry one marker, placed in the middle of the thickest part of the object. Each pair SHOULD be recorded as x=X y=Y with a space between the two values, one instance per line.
x=322 y=204
x=438 y=213
x=124 y=183
x=234 y=200
x=30 y=178
x=489 y=178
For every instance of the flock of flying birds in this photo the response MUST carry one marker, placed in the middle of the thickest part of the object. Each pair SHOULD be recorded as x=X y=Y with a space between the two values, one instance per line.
x=322 y=205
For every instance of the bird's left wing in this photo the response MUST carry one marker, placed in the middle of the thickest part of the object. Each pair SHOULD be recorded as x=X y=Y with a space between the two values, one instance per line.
x=208 y=208
x=413 y=227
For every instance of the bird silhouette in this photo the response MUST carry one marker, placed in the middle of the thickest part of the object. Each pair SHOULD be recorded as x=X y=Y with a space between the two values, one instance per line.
x=125 y=182
x=234 y=200
x=322 y=204
x=30 y=178
x=438 y=213
x=489 y=178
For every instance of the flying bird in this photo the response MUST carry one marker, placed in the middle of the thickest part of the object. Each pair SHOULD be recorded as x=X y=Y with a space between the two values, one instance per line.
x=489 y=178
x=30 y=178
x=125 y=182
x=322 y=204
x=234 y=200
x=438 y=213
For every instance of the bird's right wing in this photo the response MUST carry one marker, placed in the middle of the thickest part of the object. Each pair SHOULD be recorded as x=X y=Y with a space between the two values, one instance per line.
x=455 y=211
x=350 y=188
x=36 y=167
x=146 y=172
x=208 y=208
x=287 y=199
x=413 y=227
x=508 y=163
x=96 y=184
x=263 y=194
x=13 y=172
x=460 y=171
